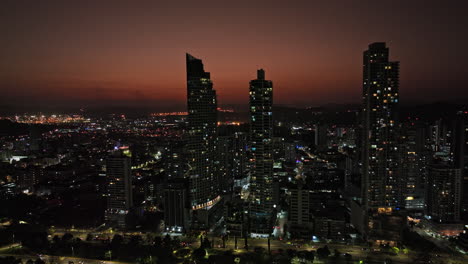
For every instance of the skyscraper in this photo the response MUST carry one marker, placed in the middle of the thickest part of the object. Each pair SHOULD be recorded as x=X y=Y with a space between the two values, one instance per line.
x=175 y=205
x=444 y=193
x=261 y=134
x=412 y=167
x=381 y=184
x=300 y=214
x=239 y=156
x=119 y=186
x=201 y=138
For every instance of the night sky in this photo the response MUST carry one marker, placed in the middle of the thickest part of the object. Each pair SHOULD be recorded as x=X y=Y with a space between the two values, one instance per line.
x=133 y=52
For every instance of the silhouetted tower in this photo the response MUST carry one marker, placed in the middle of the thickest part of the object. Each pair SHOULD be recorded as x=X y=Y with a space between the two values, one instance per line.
x=119 y=186
x=381 y=186
x=202 y=132
x=261 y=134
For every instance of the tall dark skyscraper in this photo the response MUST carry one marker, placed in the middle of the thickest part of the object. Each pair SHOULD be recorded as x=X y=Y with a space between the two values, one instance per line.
x=381 y=186
x=444 y=193
x=201 y=139
x=261 y=134
x=175 y=209
x=119 y=186
x=239 y=157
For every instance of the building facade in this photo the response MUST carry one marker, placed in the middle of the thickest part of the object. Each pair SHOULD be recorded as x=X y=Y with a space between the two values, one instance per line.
x=261 y=134
x=201 y=139
x=175 y=206
x=444 y=186
x=119 y=187
x=381 y=185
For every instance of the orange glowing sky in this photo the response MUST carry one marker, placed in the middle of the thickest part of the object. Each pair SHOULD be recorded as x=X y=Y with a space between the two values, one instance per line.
x=133 y=52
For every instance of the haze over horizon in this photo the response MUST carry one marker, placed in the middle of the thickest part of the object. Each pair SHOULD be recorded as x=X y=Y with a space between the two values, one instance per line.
x=118 y=53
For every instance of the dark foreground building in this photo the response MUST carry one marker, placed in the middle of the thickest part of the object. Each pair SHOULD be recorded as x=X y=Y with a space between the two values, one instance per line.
x=119 y=187
x=382 y=186
x=201 y=145
x=261 y=135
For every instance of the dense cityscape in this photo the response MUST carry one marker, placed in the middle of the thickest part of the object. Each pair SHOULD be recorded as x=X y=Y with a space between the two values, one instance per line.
x=374 y=181
x=350 y=185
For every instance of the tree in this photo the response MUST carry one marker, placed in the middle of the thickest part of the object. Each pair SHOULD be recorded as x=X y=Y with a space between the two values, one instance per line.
x=296 y=260
x=167 y=241
x=199 y=253
x=35 y=240
x=307 y=255
x=323 y=252
x=228 y=253
x=117 y=240
x=135 y=241
x=67 y=237
x=206 y=243
x=259 y=250
x=394 y=250
x=224 y=238
x=175 y=243
x=147 y=260
x=182 y=253
x=291 y=252
x=10 y=260
x=157 y=241
x=39 y=261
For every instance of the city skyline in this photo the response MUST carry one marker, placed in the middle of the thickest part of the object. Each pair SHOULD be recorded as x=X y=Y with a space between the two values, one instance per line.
x=129 y=59
x=349 y=145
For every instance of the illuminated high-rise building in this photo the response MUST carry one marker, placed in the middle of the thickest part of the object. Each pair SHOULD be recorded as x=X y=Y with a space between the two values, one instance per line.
x=261 y=134
x=381 y=184
x=119 y=186
x=201 y=140
x=444 y=193
x=239 y=157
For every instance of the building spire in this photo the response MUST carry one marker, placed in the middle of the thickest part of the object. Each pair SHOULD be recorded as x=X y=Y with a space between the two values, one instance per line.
x=260 y=74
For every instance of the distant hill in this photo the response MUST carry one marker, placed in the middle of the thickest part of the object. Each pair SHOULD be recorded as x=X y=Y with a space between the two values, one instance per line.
x=433 y=111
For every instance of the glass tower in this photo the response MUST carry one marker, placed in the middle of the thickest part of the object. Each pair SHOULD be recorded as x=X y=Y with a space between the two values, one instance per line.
x=201 y=138
x=119 y=188
x=381 y=183
x=261 y=134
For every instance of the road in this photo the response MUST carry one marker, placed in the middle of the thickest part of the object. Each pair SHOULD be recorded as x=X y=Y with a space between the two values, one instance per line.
x=373 y=255
x=355 y=250
x=7 y=247
x=63 y=259
x=440 y=242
